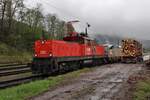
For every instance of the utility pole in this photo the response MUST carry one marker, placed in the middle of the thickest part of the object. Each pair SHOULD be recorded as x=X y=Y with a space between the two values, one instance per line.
x=86 y=29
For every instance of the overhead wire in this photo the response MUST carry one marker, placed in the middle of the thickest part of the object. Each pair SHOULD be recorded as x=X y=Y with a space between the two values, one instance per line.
x=59 y=9
x=67 y=14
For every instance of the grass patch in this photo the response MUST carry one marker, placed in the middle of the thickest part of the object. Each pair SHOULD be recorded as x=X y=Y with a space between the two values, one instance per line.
x=23 y=58
x=24 y=91
x=10 y=54
x=142 y=90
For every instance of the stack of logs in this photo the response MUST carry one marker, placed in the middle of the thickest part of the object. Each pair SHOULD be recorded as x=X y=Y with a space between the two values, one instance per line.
x=131 y=48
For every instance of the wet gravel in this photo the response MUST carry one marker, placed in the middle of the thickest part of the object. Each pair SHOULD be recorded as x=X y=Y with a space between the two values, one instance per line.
x=104 y=83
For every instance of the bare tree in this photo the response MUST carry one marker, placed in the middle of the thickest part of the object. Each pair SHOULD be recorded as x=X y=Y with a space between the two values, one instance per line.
x=34 y=17
x=12 y=7
x=51 y=21
x=3 y=5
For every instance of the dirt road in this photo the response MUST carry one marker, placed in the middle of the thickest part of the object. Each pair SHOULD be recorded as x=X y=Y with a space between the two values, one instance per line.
x=104 y=83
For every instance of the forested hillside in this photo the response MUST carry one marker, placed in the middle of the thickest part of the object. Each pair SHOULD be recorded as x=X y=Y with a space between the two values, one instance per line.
x=20 y=26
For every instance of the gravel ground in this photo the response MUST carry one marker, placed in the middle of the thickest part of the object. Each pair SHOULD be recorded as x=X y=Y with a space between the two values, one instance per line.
x=104 y=83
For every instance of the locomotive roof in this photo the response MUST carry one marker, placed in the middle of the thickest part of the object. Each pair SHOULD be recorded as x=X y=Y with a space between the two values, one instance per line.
x=88 y=38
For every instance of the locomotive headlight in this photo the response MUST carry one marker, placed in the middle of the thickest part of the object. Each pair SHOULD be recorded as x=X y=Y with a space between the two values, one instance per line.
x=35 y=55
x=43 y=42
x=50 y=54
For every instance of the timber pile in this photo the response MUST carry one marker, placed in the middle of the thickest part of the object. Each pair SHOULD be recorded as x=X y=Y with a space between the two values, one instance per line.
x=131 y=48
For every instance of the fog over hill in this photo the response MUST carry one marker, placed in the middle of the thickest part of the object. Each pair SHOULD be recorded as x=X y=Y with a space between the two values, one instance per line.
x=108 y=39
x=115 y=40
x=146 y=43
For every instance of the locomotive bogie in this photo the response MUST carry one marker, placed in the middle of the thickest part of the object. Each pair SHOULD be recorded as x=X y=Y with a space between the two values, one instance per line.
x=62 y=64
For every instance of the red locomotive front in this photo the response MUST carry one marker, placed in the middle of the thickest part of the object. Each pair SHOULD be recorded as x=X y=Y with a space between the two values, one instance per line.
x=43 y=48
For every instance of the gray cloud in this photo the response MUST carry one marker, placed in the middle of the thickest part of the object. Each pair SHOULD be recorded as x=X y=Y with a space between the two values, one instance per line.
x=129 y=18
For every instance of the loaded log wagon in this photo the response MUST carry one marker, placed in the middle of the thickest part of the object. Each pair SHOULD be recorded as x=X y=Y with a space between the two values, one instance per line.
x=132 y=51
x=68 y=54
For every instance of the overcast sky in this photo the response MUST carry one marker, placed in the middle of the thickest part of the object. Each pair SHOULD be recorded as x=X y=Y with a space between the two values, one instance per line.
x=129 y=18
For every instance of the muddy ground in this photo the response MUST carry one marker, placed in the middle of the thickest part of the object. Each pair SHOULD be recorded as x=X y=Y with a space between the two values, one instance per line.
x=131 y=85
x=106 y=82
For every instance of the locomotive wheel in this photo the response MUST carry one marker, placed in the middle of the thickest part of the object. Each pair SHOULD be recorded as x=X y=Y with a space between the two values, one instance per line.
x=81 y=63
x=105 y=61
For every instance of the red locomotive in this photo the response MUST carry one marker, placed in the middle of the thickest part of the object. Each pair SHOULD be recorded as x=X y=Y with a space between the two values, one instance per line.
x=69 y=54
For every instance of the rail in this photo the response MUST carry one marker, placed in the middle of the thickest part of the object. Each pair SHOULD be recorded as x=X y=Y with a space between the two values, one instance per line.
x=15 y=74
x=14 y=82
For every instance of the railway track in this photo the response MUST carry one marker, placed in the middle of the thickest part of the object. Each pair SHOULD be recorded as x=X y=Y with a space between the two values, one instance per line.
x=11 y=64
x=14 y=69
x=17 y=81
x=15 y=74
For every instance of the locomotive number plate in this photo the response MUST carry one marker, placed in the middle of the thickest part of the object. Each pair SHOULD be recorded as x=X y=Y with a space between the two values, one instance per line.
x=42 y=52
